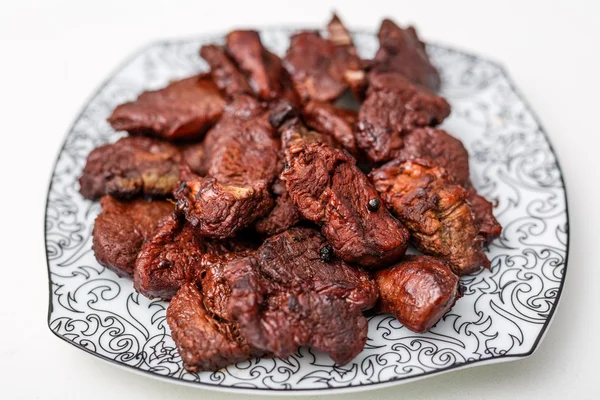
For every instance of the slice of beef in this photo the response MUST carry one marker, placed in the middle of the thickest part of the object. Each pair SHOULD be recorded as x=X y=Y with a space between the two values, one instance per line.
x=263 y=69
x=402 y=51
x=183 y=110
x=194 y=155
x=176 y=255
x=243 y=146
x=346 y=53
x=321 y=69
x=224 y=72
x=393 y=108
x=489 y=227
x=219 y=210
x=329 y=189
x=131 y=167
x=333 y=121
x=284 y=215
x=242 y=162
x=435 y=144
x=435 y=210
x=205 y=343
x=168 y=260
x=122 y=228
x=419 y=290
x=295 y=292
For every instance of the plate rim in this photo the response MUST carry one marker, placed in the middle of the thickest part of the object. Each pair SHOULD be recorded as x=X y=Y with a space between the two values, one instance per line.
x=308 y=391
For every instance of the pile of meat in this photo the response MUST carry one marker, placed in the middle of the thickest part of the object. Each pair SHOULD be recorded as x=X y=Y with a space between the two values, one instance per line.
x=270 y=217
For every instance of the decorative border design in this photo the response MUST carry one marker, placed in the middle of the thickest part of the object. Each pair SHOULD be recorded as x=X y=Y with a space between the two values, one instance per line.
x=504 y=314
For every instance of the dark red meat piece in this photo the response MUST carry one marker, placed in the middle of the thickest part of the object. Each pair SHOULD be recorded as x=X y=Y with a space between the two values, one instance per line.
x=329 y=189
x=242 y=161
x=402 y=52
x=131 y=167
x=346 y=54
x=419 y=290
x=489 y=227
x=284 y=215
x=204 y=342
x=183 y=110
x=194 y=155
x=393 y=108
x=435 y=144
x=333 y=121
x=176 y=255
x=321 y=69
x=435 y=210
x=263 y=69
x=224 y=72
x=121 y=229
x=290 y=294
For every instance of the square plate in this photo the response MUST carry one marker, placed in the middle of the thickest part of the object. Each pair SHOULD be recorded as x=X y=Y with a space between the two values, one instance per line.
x=505 y=310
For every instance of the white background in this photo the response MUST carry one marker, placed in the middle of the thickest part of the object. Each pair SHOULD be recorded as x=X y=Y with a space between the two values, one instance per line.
x=53 y=54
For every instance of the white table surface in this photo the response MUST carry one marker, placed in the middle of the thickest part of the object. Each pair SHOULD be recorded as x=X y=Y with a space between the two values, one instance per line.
x=53 y=54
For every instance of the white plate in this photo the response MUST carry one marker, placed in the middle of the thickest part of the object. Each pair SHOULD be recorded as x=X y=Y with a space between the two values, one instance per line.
x=505 y=311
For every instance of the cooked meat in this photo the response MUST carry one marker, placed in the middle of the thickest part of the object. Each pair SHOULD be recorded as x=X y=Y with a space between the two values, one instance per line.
x=204 y=342
x=489 y=227
x=435 y=144
x=242 y=162
x=218 y=210
x=347 y=55
x=402 y=52
x=121 y=229
x=263 y=69
x=224 y=72
x=194 y=155
x=183 y=110
x=333 y=121
x=176 y=255
x=284 y=215
x=393 y=108
x=130 y=167
x=242 y=147
x=419 y=290
x=315 y=68
x=435 y=210
x=168 y=260
x=294 y=292
x=329 y=189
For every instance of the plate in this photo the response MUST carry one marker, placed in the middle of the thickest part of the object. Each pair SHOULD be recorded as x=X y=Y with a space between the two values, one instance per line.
x=503 y=315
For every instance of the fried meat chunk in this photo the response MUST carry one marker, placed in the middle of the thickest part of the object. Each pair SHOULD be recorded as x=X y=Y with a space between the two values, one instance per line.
x=321 y=69
x=418 y=291
x=176 y=255
x=295 y=292
x=329 y=189
x=130 y=167
x=333 y=121
x=205 y=343
x=435 y=144
x=263 y=69
x=314 y=70
x=346 y=53
x=401 y=51
x=169 y=259
x=224 y=72
x=284 y=215
x=435 y=210
x=194 y=155
x=489 y=227
x=122 y=228
x=183 y=110
x=393 y=108
x=242 y=162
